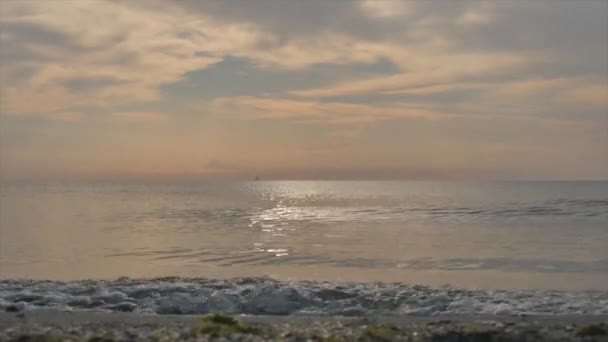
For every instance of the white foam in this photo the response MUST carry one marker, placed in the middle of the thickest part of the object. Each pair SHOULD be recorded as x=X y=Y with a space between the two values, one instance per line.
x=268 y=296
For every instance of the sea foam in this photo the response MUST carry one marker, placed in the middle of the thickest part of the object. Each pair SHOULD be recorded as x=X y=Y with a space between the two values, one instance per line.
x=272 y=297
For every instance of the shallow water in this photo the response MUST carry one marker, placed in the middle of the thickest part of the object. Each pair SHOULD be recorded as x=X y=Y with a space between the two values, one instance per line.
x=540 y=235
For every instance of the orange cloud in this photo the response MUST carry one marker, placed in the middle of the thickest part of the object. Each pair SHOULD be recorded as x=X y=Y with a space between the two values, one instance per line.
x=249 y=107
x=35 y=100
x=527 y=87
x=137 y=117
x=595 y=95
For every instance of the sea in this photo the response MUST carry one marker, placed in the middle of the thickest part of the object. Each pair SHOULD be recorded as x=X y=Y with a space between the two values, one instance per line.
x=306 y=247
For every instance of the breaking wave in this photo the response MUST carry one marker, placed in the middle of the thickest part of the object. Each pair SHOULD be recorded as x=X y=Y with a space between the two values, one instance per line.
x=271 y=297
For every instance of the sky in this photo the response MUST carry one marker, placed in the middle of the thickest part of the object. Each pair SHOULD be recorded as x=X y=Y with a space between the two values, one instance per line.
x=315 y=89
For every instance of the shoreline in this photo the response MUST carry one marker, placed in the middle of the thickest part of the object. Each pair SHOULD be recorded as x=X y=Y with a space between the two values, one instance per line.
x=267 y=296
x=53 y=325
x=265 y=309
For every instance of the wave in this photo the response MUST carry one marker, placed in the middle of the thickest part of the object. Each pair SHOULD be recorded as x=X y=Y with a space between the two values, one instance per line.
x=554 y=209
x=271 y=297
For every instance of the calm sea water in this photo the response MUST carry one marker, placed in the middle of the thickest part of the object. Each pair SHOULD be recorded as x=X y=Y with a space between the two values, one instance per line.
x=506 y=235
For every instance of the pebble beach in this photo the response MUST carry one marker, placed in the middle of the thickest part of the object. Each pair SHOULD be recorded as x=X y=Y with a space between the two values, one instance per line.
x=96 y=326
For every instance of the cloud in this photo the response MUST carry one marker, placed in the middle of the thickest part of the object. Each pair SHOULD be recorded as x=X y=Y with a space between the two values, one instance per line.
x=56 y=116
x=256 y=108
x=122 y=53
x=577 y=92
x=440 y=88
x=219 y=165
x=111 y=53
x=384 y=8
x=479 y=14
x=137 y=117
x=66 y=116
x=36 y=100
x=435 y=70
x=595 y=95
x=66 y=56
x=532 y=86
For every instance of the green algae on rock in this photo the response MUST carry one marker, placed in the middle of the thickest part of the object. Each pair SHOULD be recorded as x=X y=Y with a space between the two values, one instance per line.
x=222 y=325
x=383 y=332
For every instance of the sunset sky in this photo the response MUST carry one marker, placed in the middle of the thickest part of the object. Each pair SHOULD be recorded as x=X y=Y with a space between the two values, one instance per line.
x=304 y=89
